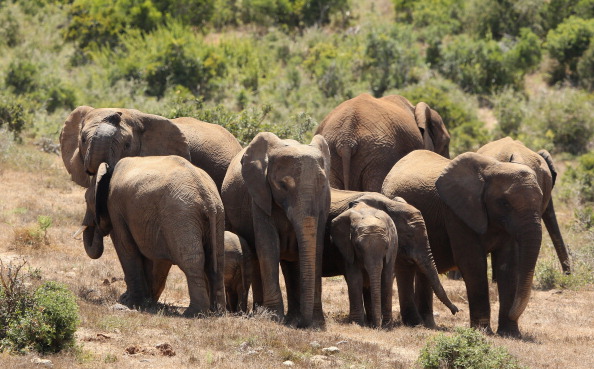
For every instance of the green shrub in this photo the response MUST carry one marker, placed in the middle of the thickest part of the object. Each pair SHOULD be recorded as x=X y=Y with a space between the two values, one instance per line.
x=22 y=76
x=44 y=320
x=10 y=34
x=291 y=13
x=478 y=66
x=58 y=95
x=509 y=109
x=585 y=68
x=12 y=115
x=567 y=43
x=392 y=59
x=467 y=348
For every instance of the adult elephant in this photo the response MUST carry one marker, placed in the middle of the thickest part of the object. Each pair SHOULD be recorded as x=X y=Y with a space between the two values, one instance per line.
x=508 y=149
x=367 y=136
x=475 y=205
x=159 y=211
x=91 y=136
x=277 y=196
x=413 y=256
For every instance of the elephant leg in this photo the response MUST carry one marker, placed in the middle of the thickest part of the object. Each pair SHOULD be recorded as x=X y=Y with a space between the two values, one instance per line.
x=132 y=261
x=405 y=280
x=156 y=272
x=268 y=252
x=198 y=286
x=291 y=274
x=424 y=299
x=257 y=292
x=318 y=312
x=507 y=269
x=387 y=291
x=232 y=299
x=473 y=267
x=354 y=279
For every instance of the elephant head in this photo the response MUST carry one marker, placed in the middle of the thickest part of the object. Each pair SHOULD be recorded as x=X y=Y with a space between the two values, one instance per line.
x=367 y=239
x=502 y=196
x=293 y=179
x=91 y=136
x=97 y=223
x=413 y=242
x=435 y=134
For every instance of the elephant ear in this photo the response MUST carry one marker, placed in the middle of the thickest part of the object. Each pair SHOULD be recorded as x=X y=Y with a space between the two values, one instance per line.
x=254 y=169
x=461 y=186
x=320 y=142
x=160 y=136
x=69 y=146
x=102 y=182
x=340 y=232
x=392 y=240
x=549 y=160
x=436 y=137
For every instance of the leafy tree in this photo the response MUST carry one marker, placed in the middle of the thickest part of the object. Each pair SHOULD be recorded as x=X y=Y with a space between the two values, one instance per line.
x=567 y=43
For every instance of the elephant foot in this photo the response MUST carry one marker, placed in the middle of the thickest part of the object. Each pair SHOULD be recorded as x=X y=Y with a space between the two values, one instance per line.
x=429 y=321
x=509 y=329
x=411 y=320
x=482 y=325
x=192 y=312
x=319 y=321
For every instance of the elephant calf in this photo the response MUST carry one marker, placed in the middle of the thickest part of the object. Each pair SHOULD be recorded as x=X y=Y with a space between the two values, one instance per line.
x=413 y=256
x=159 y=211
x=367 y=239
x=238 y=272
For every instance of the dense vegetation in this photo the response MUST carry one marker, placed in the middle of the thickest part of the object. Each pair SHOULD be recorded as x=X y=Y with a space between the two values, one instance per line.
x=282 y=65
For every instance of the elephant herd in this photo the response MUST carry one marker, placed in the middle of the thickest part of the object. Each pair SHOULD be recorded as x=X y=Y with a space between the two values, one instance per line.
x=373 y=197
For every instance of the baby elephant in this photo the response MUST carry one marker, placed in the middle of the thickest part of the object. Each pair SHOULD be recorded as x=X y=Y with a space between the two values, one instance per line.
x=238 y=272
x=367 y=239
x=159 y=211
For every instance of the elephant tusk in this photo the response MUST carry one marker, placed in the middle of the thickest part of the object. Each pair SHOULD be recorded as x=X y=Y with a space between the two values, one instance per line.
x=78 y=232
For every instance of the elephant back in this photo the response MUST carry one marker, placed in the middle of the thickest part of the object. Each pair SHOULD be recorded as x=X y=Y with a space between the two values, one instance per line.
x=211 y=146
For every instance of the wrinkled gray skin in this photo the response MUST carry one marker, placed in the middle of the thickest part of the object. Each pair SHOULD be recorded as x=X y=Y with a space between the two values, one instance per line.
x=367 y=136
x=475 y=205
x=510 y=150
x=159 y=211
x=238 y=272
x=91 y=136
x=276 y=195
x=413 y=256
x=367 y=239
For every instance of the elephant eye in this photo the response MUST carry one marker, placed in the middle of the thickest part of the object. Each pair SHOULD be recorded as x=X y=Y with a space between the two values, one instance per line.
x=127 y=145
x=504 y=203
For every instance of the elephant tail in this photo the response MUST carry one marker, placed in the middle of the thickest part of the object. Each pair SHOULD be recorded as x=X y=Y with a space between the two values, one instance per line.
x=213 y=241
x=345 y=153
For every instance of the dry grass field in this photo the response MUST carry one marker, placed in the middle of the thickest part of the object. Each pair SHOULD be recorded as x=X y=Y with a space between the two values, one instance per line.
x=558 y=325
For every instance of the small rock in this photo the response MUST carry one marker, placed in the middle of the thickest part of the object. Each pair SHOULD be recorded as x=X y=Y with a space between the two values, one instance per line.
x=252 y=352
x=315 y=344
x=330 y=350
x=119 y=307
x=106 y=282
x=134 y=349
x=165 y=349
x=70 y=274
x=288 y=363
x=145 y=361
x=44 y=362
x=435 y=313
x=341 y=342
x=243 y=346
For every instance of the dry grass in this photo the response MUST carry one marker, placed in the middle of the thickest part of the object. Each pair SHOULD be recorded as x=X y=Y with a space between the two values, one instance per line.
x=558 y=325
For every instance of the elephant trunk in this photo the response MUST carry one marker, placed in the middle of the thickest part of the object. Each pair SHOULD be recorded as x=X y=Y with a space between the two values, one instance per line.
x=93 y=241
x=426 y=264
x=99 y=148
x=550 y=221
x=375 y=276
x=529 y=244
x=307 y=240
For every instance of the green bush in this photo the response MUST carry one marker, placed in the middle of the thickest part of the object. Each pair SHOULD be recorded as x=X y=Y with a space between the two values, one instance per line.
x=22 y=76
x=292 y=13
x=10 y=34
x=509 y=109
x=566 y=44
x=467 y=348
x=44 y=320
x=585 y=68
x=12 y=115
x=392 y=59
